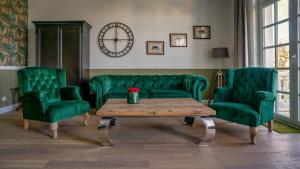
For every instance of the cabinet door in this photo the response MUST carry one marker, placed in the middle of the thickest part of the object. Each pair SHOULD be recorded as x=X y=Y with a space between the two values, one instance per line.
x=70 y=53
x=48 y=49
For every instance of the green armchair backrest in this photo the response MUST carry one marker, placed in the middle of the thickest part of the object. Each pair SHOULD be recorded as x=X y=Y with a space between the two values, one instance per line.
x=39 y=78
x=245 y=82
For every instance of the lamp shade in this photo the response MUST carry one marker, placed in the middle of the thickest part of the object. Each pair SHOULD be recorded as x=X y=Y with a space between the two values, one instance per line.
x=220 y=53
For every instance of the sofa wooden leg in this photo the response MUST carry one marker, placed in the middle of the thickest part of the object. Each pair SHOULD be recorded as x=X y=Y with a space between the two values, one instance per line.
x=86 y=118
x=270 y=126
x=53 y=128
x=253 y=133
x=26 y=124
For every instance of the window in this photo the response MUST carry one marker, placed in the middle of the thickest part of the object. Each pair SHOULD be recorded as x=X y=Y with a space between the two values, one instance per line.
x=280 y=49
x=298 y=66
x=276 y=49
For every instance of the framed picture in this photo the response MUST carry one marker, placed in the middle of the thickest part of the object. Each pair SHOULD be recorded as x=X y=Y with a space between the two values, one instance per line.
x=155 y=48
x=178 y=40
x=201 y=32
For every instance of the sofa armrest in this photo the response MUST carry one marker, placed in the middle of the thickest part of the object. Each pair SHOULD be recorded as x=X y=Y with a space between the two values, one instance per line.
x=37 y=100
x=101 y=86
x=102 y=81
x=265 y=96
x=195 y=84
x=265 y=101
x=262 y=98
x=70 y=93
x=222 y=94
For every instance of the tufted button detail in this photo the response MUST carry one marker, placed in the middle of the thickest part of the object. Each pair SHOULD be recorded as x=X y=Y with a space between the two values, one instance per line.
x=247 y=82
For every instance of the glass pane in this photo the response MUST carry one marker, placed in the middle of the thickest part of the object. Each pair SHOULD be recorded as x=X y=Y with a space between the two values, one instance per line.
x=283 y=57
x=283 y=33
x=283 y=9
x=298 y=28
x=298 y=108
x=268 y=13
x=299 y=55
x=283 y=104
x=269 y=57
x=298 y=6
x=299 y=82
x=283 y=83
x=269 y=36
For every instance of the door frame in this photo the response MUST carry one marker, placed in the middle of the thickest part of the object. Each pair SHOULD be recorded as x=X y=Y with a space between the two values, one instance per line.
x=293 y=54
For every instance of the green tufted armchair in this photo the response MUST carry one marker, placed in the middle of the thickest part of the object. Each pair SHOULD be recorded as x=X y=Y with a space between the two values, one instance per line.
x=46 y=98
x=248 y=98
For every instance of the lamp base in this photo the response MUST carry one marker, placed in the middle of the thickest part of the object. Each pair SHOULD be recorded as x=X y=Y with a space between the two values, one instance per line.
x=218 y=82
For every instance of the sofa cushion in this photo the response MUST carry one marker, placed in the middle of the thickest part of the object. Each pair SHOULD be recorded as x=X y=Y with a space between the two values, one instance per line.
x=123 y=92
x=237 y=112
x=65 y=109
x=169 y=94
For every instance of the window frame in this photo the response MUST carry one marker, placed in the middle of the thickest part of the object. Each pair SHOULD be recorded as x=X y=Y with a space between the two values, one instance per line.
x=294 y=66
x=275 y=46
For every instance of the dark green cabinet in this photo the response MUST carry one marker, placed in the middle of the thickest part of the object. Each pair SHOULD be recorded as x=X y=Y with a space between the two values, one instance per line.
x=65 y=45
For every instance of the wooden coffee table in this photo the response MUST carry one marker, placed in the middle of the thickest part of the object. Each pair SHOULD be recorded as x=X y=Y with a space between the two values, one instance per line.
x=158 y=108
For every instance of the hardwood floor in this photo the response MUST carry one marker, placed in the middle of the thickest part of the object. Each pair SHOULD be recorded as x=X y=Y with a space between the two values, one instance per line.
x=142 y=143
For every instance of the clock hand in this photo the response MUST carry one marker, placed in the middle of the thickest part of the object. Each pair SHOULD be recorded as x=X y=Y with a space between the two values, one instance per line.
x=114 y=39
x=116 y=46
x=116 y=32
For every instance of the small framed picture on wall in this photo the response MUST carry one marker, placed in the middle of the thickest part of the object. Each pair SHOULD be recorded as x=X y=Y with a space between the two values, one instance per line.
x=201 y=32
x=178 y=40
x=155 y=48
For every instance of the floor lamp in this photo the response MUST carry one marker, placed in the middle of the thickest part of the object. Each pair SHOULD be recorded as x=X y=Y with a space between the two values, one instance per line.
x=219 y=81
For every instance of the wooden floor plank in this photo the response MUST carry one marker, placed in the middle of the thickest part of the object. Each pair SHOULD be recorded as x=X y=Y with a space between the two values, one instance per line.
x=23 y=163
x=144 y=143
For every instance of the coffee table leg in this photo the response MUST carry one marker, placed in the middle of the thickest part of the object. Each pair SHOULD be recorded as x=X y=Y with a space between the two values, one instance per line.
x=210 y=130
x=104 y=137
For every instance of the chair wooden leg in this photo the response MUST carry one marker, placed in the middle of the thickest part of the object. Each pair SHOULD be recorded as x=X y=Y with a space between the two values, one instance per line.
x=53 y=128
x=270 y=126
x=26 y=124
x=253 y=133
x=86 y=118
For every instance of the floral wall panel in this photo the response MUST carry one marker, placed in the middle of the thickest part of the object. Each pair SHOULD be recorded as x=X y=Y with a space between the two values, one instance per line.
x=13 y=32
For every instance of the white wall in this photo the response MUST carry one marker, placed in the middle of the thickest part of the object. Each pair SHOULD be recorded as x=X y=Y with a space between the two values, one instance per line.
x=149 y=20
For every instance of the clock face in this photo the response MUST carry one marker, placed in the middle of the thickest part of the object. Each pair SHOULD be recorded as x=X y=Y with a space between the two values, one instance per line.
x=115 y=39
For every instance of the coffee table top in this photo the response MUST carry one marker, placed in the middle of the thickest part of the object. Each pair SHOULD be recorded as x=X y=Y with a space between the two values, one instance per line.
x=155 y=107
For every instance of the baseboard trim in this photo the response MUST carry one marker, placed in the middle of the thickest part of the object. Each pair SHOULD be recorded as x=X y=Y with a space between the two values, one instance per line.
x=11 y=67
x=9 y=108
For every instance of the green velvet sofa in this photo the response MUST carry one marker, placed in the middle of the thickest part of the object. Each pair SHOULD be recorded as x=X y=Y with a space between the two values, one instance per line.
x=248 y=98
x=152 y=86
x=46 y=97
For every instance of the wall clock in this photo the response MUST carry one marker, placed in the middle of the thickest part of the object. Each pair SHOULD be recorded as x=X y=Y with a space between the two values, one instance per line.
x=115 y=39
